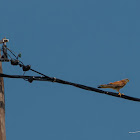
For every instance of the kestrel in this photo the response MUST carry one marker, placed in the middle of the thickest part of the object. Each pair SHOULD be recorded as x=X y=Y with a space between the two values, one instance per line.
x=116 y=85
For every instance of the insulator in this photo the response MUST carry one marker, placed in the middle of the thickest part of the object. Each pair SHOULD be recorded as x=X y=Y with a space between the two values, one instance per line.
x=14 y=62
x=30 y=79
x=26 y=68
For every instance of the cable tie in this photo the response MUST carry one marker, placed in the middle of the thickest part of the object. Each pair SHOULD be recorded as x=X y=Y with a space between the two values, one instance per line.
x=54 y=79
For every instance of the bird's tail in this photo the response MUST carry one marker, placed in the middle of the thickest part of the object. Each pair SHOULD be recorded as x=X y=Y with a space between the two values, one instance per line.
x=103 y=86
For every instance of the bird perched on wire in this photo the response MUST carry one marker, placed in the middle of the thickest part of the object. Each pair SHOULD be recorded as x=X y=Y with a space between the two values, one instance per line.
x=116 y=85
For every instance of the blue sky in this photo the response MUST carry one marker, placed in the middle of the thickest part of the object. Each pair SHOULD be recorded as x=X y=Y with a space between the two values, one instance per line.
x=89 y=42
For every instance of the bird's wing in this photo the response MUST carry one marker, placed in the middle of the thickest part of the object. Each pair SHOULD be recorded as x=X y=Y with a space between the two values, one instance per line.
x=114 y=85
x=110 y=85
x=118 y=83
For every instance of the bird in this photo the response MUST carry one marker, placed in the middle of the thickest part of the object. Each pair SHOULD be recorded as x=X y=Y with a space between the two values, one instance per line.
x=116 y=85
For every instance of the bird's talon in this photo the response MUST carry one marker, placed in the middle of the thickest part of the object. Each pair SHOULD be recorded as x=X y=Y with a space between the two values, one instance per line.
x=119 y=94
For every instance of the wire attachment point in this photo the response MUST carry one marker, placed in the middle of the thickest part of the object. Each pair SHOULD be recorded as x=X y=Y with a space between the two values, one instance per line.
x=31 y=79
x=54 y=79
x=14 y=62
x=26 y=68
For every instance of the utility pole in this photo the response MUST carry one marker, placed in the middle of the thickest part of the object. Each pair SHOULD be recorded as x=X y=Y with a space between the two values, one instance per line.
x=2 y=96
x=2 y=107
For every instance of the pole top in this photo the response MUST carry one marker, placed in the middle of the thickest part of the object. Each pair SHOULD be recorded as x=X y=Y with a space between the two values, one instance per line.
x=4 y=41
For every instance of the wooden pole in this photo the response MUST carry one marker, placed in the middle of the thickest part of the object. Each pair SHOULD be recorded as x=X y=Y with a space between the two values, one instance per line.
x=2 y=107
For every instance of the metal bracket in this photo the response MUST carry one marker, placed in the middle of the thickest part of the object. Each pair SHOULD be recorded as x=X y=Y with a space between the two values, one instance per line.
x=4 y=57
x=4 y=40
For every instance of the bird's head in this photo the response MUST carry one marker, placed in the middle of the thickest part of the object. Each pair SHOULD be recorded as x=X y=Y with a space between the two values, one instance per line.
x=127 y=80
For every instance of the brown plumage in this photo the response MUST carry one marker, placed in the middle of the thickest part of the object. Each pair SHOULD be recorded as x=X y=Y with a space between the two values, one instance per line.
x=115 y=85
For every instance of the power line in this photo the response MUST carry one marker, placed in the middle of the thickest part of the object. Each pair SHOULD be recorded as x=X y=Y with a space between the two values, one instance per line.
x=44 y=77
x=53 y=79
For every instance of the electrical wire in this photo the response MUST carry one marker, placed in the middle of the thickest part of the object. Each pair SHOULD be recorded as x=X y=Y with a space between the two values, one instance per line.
x=53 y=79
x=44 y=77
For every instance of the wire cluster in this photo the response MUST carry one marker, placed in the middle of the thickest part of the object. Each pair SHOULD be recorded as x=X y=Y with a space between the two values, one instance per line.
x=16 y=62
